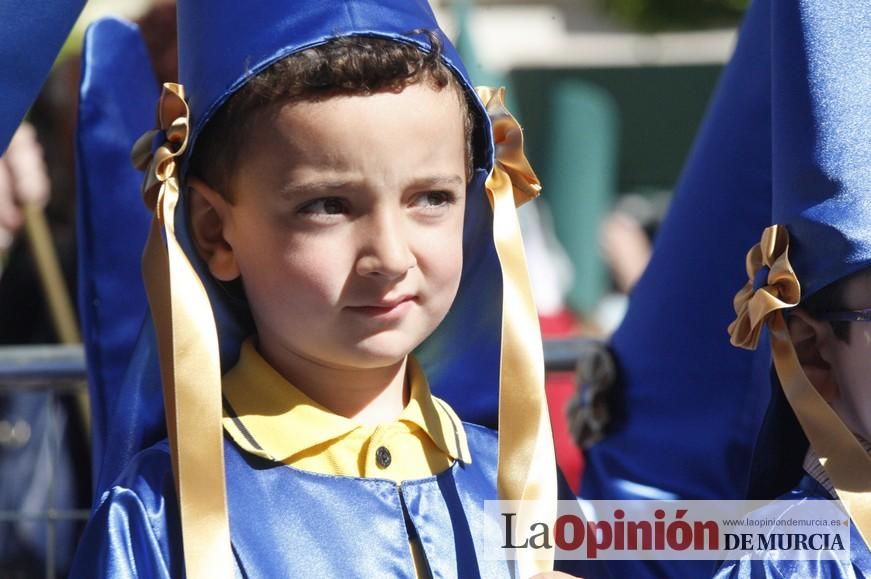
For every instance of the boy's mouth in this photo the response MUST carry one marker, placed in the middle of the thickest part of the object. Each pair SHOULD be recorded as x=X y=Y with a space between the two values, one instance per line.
x=389 y=308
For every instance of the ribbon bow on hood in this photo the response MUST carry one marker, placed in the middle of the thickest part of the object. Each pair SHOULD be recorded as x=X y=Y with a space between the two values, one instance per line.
x=161 y=166
x=526 y=455
x=753 y=307
x=188 y=346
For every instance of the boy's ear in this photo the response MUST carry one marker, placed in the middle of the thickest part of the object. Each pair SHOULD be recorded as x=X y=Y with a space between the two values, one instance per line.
x=209 y=212
x=813 y=340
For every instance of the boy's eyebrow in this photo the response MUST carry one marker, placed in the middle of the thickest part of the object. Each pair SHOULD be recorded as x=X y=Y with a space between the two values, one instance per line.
x=334 y=186
x=436 y=181
x=327 y=187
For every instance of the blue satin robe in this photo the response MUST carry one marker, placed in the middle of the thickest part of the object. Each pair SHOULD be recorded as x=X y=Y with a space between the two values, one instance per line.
x=285 y=522
x=858 y=567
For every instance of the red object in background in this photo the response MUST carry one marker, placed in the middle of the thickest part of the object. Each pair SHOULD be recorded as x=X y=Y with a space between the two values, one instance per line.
x=559 y=388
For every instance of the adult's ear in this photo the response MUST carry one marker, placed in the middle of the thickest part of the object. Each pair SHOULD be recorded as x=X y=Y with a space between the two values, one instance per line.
x=209 y=212
x=814 y=340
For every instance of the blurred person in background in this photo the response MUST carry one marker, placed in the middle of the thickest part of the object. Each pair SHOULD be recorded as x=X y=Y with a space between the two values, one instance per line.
x=43 y=447
x=23 y=180
x=626 y=243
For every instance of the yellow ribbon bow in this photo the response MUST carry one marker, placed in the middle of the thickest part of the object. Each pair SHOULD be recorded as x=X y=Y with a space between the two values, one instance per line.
x=753 y=307
x=188 y=346
x=526 y=466
x=840 y=453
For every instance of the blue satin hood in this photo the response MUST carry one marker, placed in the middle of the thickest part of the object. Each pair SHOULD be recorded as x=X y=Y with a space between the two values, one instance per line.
x=821 y=136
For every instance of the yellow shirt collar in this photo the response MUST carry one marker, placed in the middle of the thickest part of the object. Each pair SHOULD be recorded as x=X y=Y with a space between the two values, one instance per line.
x=269 y=417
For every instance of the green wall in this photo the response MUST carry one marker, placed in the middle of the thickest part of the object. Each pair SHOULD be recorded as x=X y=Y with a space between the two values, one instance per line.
x=593 y=134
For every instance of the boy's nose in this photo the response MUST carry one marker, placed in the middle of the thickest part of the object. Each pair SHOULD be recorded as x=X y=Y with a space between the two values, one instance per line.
x=387 y=253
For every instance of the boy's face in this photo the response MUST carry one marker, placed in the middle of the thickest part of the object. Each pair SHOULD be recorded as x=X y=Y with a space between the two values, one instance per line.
x=346 y=225
x=839 y=369
x=851 y=362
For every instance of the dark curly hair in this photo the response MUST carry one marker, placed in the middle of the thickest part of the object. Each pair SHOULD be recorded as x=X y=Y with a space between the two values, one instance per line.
x=350 y=65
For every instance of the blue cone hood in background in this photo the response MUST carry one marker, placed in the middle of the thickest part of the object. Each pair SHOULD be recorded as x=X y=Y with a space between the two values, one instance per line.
x=692 y=403
x=221 y=44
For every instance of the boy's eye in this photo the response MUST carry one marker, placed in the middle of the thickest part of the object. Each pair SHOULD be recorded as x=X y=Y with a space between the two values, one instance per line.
x=432 y=199
x=325 y=206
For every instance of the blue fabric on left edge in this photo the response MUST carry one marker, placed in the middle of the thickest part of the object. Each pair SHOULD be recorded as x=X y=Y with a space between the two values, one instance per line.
x=31 y=36
x=112 y=218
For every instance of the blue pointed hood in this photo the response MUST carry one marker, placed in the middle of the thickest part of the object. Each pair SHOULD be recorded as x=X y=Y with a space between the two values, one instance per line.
x=821 y=136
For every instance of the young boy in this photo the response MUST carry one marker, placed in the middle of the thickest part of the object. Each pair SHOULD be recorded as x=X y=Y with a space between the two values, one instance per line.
x=333 y=160
x=816 y=265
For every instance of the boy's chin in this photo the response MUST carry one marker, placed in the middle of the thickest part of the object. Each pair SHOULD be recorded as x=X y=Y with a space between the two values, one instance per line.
x=369 y=359
x=380 y=353
x=855 y=417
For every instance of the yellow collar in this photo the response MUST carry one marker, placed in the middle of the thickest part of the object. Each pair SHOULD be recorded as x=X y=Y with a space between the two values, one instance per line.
x=269 y=417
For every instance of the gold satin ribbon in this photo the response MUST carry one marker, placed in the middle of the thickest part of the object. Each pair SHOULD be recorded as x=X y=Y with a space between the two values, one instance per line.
x=841 y=454
x=188 y=346
x=526 y=465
